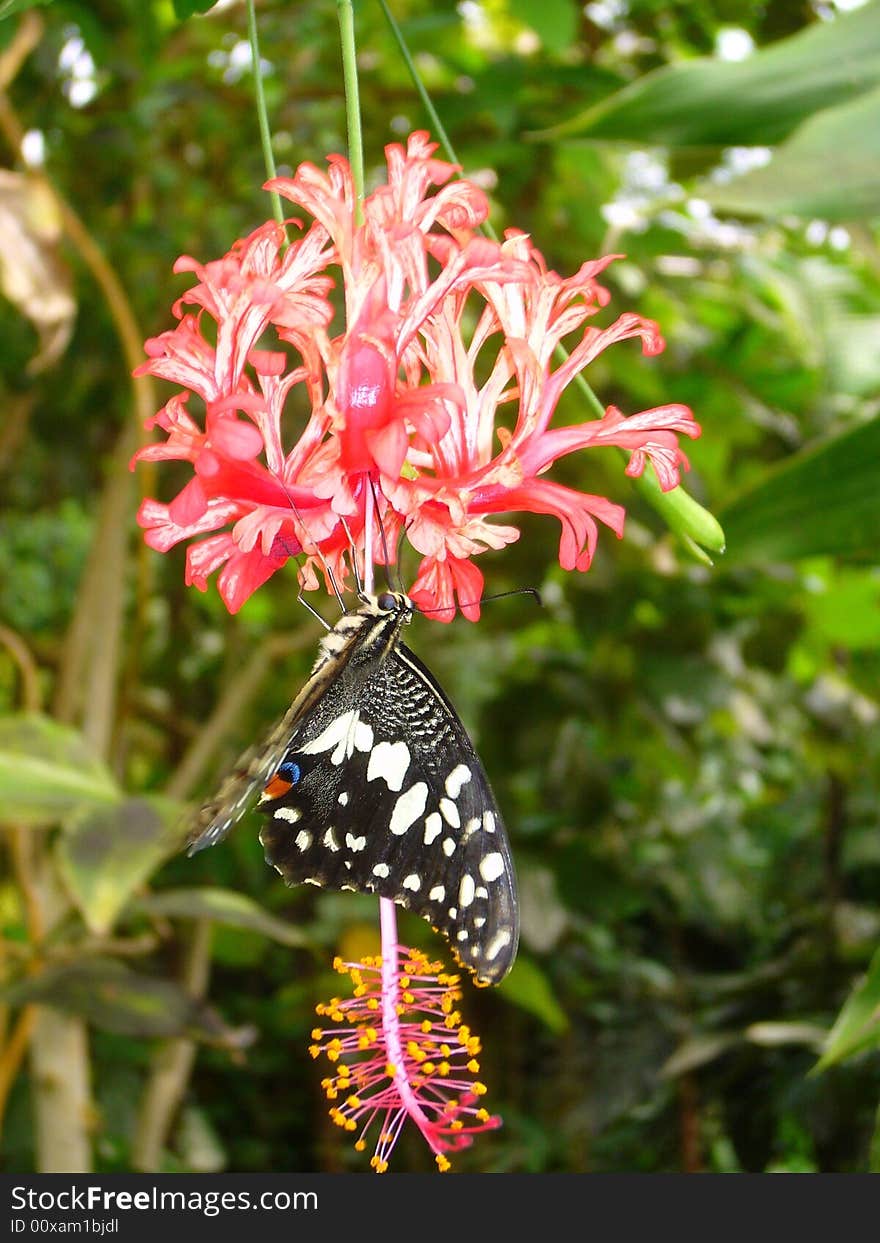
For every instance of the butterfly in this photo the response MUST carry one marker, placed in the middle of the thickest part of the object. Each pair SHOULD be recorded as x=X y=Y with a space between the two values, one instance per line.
x=370 y=783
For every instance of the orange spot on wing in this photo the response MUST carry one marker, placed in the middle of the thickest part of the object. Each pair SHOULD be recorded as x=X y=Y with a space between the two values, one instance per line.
x=277 y=787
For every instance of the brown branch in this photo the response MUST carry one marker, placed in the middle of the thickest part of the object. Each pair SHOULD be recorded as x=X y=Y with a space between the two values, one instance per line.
x=31 y=696
x=172 y=1063
x=18 y=410
x=13 y=1054
x=27 y=35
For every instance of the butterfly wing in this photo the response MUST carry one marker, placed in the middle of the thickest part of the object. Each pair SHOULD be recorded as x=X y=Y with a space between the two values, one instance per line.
x=381 y=791
x=253 y=769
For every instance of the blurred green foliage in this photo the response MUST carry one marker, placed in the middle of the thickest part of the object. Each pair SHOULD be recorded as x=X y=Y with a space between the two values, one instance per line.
x=687 y=756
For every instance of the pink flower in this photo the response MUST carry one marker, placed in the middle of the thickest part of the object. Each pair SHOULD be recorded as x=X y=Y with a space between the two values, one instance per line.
x=400 y=1051
x=445 y=333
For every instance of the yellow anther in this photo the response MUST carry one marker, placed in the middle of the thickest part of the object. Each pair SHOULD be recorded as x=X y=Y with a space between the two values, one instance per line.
x=479 y=1089
x=443 y=1070
x=482 y=1115
x=443 y=1164
x=317 y=1033
x=473 y=1066
x=426 y=1026
x=353 y=1102
x=359 y=1145
x=457 y=1125
x=390 y=1070
x=428 y=1068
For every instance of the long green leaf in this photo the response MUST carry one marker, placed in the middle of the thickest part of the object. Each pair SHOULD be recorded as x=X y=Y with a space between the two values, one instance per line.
x=757 y=101
x=858 y=1024
x=106 y=853
x=527 y=986
x=223 y=906
x=48 y=771
x=117 y=999
x=826 y=500
x=829 y=168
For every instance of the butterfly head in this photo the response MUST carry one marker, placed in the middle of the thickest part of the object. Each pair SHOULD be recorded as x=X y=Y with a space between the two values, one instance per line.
x=388 y=603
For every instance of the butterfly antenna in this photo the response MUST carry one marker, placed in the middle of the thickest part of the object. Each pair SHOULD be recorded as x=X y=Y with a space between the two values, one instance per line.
x=325 y=565
x=358 y=580
x=384 y=541
x=501 y=595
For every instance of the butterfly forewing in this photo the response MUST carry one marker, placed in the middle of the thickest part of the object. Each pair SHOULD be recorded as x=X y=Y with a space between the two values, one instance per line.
x=378 y=789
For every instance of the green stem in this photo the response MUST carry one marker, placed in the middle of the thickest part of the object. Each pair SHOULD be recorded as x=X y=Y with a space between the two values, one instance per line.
x=427 y=101
x=352 y=104
x=262 y=113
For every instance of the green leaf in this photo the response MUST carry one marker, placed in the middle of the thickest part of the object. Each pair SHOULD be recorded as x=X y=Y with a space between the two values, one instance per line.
x=829 y=168
x=107 y=853
x=757 y=101
x=223 y=906
x=117 y=999
x=825 y=500
x=47 y=771
x=858 y=1025
x=553 y=21
x=698 y=1050
x=528 y=987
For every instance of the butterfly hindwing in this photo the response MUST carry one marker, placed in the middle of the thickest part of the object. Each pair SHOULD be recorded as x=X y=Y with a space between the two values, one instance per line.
x=381 y=791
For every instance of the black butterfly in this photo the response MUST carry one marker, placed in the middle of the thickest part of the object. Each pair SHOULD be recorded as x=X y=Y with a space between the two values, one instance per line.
x=371 y=783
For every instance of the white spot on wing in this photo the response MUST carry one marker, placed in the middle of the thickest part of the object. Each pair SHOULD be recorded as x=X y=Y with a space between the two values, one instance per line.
x=381 y=870
x=363 y=736
x=470 y=828
x=492 y=866
x=459 y=777
x=355 y=843
x=303 y=840
x=466 y=891
x=433 y=827
x=343 y=799
x=408 y=807
x=437 y=894
x=390 y=761
x=290 y=814
x=330 y=841
x=489 y=821
x=339 y=736
x=412 y=882
x=450 y=812
x=499 y=942
x=449 y=847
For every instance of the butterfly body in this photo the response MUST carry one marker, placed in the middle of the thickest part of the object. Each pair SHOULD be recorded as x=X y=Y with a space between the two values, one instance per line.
x=370 y=783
